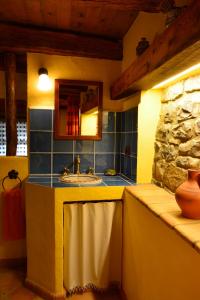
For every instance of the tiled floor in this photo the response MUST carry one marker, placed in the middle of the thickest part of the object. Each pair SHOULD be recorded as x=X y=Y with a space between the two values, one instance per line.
x=12 y=288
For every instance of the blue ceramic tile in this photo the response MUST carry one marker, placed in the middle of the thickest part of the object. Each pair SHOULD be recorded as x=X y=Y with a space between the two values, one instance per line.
x=128 y=144
x=103 y=162
x=128 y=120
x=62 y=146
x=96 y=184
x=45 y=183
x=108 y=122
x=122 y=163
x=84 y=146
x=40 y=141
x=118 y=142
x=41 y=119
x=62 y=160
x=133 y=167
x=64 y=184
x=111 y=178
x=131 y=120
x=40 y=163
x=117 y=183
x=127 y=166
x=130 y=181
x=134 y=143
x=118 y=122
x=39 y=179
x=123 y=143
x=106 y=144
x=87 y=160
x=122 y=121
x=117 y=163
x=135 y=119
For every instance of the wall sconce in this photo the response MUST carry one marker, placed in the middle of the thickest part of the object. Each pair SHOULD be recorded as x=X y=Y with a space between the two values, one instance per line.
x=44 y=83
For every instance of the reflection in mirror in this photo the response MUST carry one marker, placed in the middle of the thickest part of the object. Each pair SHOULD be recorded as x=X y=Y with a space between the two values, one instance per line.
x=78 y=109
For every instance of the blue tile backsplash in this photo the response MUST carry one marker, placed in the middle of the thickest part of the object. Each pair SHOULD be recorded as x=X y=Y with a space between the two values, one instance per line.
x=126 y=143
x=116 y=150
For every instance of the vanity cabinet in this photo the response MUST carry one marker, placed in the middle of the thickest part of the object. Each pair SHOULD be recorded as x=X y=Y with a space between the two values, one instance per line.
x=45 y=232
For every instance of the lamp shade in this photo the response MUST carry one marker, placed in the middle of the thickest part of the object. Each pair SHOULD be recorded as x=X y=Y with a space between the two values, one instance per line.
x=44 y=83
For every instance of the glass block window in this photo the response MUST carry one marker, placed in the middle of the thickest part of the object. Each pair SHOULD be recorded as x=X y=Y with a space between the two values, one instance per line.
x=2 y=138
x=21 y=139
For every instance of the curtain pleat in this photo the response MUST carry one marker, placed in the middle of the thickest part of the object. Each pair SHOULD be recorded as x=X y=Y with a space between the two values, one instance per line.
x=92 y=246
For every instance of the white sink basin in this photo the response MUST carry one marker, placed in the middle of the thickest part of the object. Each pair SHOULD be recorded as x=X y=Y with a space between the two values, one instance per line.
x=81 y=178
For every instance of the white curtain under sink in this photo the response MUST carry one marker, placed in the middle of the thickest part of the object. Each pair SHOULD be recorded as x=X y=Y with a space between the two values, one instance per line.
x=92 y=246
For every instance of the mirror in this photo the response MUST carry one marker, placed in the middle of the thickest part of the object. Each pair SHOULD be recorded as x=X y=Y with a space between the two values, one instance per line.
x=78 y=109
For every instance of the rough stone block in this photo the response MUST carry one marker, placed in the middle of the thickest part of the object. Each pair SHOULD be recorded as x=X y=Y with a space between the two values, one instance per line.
x=192 y=84
x=173 y=92
x=183 y=131
x=187 y=110
x=188 y=162
x=169 y=152
x=173 y=176
x=190 y=148
x=197 y=126
x=159 y=170
x=162 y=132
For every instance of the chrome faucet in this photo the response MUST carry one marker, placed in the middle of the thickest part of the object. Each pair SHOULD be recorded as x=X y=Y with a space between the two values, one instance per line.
x=77 y=165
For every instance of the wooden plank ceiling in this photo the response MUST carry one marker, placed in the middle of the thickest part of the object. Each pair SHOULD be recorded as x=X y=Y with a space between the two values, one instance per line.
x=78 y=27
x=106 y=18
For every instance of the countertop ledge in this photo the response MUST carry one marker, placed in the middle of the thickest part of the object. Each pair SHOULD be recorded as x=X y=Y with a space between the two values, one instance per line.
x=163 y=204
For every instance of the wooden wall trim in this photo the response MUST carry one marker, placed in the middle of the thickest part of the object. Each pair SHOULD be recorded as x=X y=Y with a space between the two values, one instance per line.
x=24 y=39
x=177 y=48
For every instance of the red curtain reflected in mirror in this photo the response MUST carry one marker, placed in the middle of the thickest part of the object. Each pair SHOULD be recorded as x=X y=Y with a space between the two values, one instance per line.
x=72 y=116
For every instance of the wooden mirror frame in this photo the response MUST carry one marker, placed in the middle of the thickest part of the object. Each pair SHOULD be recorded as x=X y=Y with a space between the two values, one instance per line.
x=59 y=136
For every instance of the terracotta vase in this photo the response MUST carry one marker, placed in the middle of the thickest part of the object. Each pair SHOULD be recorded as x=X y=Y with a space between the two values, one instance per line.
x=188 y=195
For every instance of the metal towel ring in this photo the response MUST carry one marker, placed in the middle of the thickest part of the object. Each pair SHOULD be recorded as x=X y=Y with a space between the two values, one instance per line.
x=13 y=174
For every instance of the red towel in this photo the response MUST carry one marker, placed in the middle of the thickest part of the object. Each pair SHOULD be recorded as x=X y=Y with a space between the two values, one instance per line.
x=13 y=215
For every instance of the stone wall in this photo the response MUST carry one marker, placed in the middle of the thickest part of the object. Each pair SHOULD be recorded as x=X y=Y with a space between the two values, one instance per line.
x=177 y=145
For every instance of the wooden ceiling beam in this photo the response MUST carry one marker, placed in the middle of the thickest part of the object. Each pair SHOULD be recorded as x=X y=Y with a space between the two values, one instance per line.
x=176 y=49
x=153 y=6
x=24 y=39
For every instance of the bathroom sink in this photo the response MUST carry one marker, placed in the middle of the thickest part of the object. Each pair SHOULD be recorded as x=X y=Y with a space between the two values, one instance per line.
x=81 y=178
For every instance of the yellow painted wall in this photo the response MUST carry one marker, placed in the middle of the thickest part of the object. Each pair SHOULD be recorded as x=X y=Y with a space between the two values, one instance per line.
x=68 y=67
x=146 y=25
x=148 y=116
x=11 y=249
x=158 y=264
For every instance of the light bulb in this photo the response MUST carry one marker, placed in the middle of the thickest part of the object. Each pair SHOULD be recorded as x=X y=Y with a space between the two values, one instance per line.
x=44 y=83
